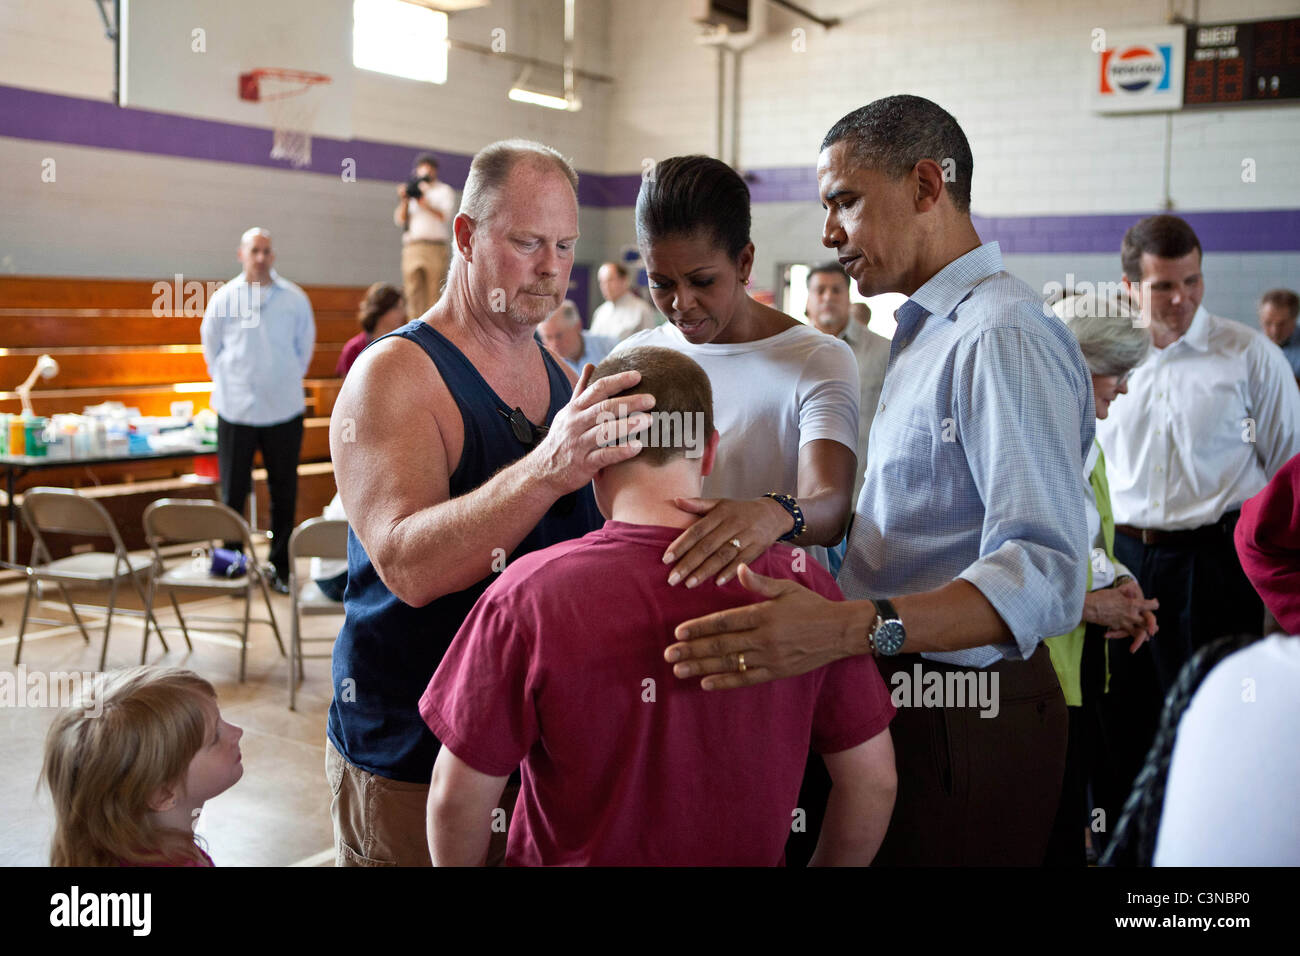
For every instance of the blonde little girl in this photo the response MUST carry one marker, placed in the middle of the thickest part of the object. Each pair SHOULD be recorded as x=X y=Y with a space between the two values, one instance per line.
x=130 y=769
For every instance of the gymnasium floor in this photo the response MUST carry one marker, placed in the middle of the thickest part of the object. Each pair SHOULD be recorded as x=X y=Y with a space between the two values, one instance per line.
x=278 y=813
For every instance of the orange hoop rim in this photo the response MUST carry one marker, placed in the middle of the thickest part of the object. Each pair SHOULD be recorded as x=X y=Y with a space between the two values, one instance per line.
x=249 y=86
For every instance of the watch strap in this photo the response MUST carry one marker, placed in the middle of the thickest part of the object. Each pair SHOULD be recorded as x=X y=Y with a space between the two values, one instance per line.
x=790 y=505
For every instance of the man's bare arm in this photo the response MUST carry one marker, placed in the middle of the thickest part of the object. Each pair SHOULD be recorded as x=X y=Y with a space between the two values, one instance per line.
x=864 y=784
x=393 y=475
x=461 y=801
x=403 y=212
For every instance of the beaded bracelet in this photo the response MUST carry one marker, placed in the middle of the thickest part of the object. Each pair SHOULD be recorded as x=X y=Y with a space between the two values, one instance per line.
x=789 y=504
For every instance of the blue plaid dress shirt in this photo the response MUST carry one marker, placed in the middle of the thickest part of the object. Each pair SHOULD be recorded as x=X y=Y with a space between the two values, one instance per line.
x=975 y=462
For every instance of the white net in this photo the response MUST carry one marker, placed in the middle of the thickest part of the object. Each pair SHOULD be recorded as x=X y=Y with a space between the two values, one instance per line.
x=293 y=104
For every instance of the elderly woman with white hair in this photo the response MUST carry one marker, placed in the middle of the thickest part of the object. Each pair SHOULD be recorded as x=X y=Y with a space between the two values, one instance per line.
x=1113 y=344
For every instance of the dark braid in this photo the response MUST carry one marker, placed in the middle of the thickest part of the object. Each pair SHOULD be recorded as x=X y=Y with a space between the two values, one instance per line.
x=1134 y=842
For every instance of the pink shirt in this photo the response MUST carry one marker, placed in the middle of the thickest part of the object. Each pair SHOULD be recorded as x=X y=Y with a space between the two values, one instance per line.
x=351 y=350
x=560 y=666
x=204 y=852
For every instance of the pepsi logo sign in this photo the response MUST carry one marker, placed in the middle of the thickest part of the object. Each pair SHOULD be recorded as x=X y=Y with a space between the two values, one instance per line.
x=1138 y=69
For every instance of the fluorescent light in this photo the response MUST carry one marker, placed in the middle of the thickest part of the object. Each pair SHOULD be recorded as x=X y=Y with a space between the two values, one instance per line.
x=521 y=95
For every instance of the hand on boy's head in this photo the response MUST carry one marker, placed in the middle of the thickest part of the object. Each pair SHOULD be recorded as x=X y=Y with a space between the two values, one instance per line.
x=593 y=431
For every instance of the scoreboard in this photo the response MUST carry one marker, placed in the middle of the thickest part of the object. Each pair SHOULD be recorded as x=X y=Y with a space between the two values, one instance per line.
x=1252 y=62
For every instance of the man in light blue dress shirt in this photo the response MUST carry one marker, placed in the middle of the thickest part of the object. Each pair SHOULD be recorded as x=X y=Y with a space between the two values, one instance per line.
x=1278 y=310
x=971 y=522
x=258 y=333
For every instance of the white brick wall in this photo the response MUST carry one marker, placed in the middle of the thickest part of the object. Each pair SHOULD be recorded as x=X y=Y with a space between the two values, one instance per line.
x=786 y=233
x=1013 y=73
x=1233 y=281
x=55 y=45
x=119 y=213
x=471 y=109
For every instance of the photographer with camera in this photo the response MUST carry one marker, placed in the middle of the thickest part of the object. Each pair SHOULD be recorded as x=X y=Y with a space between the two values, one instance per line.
x=424 y=210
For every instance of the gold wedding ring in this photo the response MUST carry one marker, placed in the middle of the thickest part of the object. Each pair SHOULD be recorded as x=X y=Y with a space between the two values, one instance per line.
x=740 y=662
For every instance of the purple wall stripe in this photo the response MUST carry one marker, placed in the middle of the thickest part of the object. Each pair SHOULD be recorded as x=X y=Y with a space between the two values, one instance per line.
x=1264 y=230
x=28 y=114
x=49 y=117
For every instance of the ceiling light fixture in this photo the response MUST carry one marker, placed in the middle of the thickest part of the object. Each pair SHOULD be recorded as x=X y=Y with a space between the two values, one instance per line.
x=570 y=101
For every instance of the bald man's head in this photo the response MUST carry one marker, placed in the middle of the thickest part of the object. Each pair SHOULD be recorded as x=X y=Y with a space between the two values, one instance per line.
x=612 y=278
x=255 y=255
x=561 y=331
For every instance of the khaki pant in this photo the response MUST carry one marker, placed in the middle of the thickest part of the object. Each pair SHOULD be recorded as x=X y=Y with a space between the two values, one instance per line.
x=382 y=822
x=424 y=270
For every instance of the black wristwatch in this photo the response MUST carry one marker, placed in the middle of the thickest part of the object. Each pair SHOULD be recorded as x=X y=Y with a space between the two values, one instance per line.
x=887 y=634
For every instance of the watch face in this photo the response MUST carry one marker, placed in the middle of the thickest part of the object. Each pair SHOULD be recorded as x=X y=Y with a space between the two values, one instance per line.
x=889 y=637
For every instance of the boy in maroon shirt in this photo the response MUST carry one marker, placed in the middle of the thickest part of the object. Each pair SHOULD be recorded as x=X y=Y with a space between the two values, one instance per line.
x=560 y=667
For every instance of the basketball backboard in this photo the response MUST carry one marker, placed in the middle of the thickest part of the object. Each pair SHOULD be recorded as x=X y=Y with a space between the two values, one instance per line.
x=186 y=56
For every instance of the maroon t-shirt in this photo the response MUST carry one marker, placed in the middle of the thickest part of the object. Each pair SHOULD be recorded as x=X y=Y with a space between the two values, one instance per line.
x=351 y=349
x=560 y=667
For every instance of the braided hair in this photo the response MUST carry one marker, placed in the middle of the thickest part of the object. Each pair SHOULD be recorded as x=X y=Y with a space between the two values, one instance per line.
x=1134 y=842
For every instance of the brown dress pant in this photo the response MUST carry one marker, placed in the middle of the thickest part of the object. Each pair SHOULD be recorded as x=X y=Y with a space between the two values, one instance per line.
x=972 y=790
x=382 y=822
x=424 y=270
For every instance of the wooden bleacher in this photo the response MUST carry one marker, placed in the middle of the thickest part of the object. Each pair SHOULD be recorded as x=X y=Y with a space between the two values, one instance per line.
x=110 y=346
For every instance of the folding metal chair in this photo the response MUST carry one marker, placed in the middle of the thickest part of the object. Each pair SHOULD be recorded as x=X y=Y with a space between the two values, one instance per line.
x=314 y=538
x=64 y=511
x=176 y=520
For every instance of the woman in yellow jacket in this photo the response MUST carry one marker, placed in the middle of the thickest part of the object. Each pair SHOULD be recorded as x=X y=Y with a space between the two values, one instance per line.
x=1113 y=342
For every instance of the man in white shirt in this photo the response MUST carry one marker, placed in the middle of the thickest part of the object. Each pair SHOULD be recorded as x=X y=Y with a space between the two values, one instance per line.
x=1210 y=417
x=828 y=311
x=424 y=211
x=623 y=312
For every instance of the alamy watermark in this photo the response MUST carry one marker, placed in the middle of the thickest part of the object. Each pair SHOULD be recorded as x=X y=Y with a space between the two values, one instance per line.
x=61 y=689
x=968 y=688
x=1084 y=298
x=191 y=298
x=684 y=430
x=126 y=910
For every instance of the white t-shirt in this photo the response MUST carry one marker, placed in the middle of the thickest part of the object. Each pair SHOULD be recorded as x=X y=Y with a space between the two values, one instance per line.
x=626 y=315
x=770 y=398
x=424 y=224
x=1234 y=779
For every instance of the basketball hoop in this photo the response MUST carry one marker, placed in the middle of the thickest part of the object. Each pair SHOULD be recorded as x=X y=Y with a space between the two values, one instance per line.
x=293 y=98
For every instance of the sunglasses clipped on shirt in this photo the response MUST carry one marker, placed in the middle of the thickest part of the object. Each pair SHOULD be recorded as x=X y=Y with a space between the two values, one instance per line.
x=524 y=430
x=531 y=435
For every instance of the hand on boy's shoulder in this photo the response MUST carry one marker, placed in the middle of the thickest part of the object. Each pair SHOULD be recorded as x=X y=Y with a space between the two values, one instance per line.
x=796 y=564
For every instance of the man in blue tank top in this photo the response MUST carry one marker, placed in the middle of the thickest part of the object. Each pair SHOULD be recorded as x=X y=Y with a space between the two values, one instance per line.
x=459 y=444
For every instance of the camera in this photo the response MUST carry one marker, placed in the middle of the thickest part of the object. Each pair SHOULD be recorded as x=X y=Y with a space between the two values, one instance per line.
x=413 y=190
